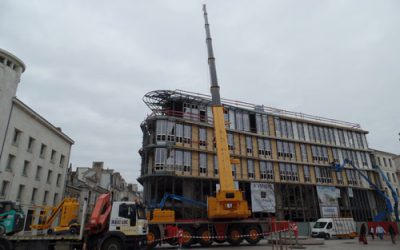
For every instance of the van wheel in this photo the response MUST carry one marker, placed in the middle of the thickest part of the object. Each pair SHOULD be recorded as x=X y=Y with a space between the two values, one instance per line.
x=327 y=236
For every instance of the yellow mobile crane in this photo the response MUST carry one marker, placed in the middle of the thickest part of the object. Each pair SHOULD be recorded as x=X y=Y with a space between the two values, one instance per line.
x=228 y=202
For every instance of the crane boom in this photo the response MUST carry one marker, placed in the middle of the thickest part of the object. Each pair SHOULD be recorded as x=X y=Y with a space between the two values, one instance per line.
x=228 y=202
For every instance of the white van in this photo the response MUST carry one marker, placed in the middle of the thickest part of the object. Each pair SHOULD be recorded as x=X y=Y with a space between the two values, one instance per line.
x=334 y=227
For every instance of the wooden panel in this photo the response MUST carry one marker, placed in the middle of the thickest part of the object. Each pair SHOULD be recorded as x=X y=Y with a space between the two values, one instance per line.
x=244 y=169
x=271 y=125
x=330 y=155
x=210 y=165
x=276 y=172
x=195 y=137
x=298 y=151
x=255 y=146
x=257 y=170
x=210 y=138
x=195 y=164
x=301 y=173
x=312 y=174
x=242 y=143
x=309 y=153
x=274 y=149
x=237 y=143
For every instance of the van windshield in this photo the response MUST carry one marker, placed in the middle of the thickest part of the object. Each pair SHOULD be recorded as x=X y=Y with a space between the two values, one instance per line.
x=319 y=224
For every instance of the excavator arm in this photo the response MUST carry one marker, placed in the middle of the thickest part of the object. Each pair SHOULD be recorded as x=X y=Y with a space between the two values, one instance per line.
x=389 y=209
x=100 y=214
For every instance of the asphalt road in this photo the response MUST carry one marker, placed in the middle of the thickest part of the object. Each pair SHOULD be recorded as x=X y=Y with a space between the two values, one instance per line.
x=333 y=244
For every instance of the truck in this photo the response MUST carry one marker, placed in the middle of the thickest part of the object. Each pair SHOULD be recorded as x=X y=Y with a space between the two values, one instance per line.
x=113 y=225
x=11 y=218
x=334 y=227
x=228 y=215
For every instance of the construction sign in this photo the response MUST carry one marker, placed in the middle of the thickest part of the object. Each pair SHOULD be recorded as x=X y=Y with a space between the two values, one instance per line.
x=262 y=197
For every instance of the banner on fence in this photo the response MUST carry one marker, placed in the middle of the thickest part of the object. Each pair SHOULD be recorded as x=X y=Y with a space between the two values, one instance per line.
x=262 y=197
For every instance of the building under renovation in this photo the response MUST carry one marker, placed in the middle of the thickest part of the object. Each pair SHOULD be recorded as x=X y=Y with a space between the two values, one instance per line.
x=291 y=152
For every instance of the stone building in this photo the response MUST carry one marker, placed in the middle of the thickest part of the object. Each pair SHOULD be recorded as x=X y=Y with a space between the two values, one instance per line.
x=34 y=154
x=387 y=163
x=292 y=151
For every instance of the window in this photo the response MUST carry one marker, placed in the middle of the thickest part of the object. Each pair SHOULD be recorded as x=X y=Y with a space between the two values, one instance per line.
x=25 y=169
x=388 y=176
x=231 y=142
x=58 y=180
x=300 y=130
x=187 y=134
x=351 y=139
x=342 y=142
x=187 y=161
x=246 y=122
x=307 y=175
x=233 y=166
x=262 y=124
x=319 y=153
x=20 y=192
x=359 y=140
x=179 y=133
x=179 y=160
x=215 y=165
x=53 y=155
x=232 y=124
x=33 y=197
x=351 y=177
x=335 y=155
x=160 y=157
x=394 y=178
x=339 y=177
x=303 y=150
x=202 y=137
x=31 y=143
x=250 y=169
x=286 y=149
x=46 y=194
x=266 y=170
x=364 y=159
x=264 y=147
x=379 y=160
x=203 y=163
x=16 y=137
x=10 y=163
x=249 y=144
x=384 y=161
x=288 y=172
x=332 y=135
x=62 y=161
x=38 y=173
x=239 y=120
x=4 y=188
x=390 y=162
x=49 y=175
x=323 y=175
x=55 y=200
x=42 y=150
x=277 y=127
x=311 y=132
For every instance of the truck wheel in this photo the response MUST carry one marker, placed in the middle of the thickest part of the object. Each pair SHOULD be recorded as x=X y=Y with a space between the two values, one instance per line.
x=187 y=237
x=73 y=230
x=2 y=230
x=205 y=237
x=234 y=235
x=253 y=235
x=152 y=237
x=111 y=244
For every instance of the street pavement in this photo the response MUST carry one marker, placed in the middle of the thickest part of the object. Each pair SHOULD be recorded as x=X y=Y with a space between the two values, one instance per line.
x=333 y=244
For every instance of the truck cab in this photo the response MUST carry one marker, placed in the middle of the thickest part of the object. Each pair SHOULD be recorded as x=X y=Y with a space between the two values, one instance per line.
x=128 y=218
x=11 y=218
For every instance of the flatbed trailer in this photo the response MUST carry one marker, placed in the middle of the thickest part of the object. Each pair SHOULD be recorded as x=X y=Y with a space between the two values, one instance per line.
x=205 y=232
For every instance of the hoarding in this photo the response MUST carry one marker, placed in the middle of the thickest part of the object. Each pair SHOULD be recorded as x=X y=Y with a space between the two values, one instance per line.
x=327 y=199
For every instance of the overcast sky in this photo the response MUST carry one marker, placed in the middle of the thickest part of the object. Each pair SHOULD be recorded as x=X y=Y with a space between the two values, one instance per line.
x=89 y=63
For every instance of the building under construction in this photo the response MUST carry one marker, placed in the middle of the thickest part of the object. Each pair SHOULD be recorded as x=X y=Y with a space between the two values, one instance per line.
x=292 y=151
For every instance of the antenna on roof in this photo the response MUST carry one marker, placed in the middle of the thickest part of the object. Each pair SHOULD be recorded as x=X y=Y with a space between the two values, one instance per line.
x=216 y=99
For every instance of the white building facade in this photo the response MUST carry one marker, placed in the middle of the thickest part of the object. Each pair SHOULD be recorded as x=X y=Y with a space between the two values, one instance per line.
x=387 y=163
x=34 y=154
